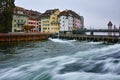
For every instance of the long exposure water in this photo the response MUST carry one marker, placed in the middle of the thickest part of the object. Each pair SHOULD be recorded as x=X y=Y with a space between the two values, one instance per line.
x=57 y=59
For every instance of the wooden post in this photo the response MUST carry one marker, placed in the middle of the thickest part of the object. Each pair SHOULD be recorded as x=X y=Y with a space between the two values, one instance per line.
x=119 y=31
x=115 y=29
x=9 y=38
x=91 y=33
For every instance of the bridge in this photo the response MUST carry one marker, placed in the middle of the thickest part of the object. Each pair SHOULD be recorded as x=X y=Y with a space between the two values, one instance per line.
x=92 y=31
x=77 y=34
x=98 y=30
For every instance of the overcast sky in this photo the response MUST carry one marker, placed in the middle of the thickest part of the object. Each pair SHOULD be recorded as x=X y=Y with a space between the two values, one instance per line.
x=97 y=13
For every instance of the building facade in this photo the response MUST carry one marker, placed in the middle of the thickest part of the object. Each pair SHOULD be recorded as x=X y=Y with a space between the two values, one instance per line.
x=66 y=21
x=25 y=20
x=34 y=24
x=69 y=20
x=76 y=23
x=49 y=21
x=18 y=23
x=81 y=22
x=52 y=21
x=76 y=20
x=19 y=20
x=33 y=20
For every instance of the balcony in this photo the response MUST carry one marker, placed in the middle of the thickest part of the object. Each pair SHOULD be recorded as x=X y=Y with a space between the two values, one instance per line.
x=54 y=22
x=20 y=23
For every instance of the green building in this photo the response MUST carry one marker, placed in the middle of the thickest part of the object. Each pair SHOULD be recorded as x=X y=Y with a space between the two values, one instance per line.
x=19 y=20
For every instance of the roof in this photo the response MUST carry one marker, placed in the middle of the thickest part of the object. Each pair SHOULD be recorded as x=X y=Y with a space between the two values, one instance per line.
x=74 y=14
x=64 y=13
x=49 y=12
x=68 y=13
x=18 y=8
x=110 y=23
x=20 y=14
x=32 y=14
x=29 y=13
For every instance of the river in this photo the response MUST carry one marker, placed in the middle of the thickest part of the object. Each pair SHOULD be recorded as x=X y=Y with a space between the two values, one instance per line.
x=57 y=59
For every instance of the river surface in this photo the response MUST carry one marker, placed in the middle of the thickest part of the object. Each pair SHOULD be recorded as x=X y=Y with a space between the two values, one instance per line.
x=57 y=59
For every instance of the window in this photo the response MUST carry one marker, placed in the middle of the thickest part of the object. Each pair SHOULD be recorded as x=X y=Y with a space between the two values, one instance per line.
x=21 y=20
x=44 y=28
x=45 y=24
x=18 y=26
x=48 y=18
x=15 y=30
x=14 y=25
x=53 y=17
x=18 y=20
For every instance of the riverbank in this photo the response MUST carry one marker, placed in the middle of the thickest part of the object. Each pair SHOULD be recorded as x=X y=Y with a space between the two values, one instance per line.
x=18 y=37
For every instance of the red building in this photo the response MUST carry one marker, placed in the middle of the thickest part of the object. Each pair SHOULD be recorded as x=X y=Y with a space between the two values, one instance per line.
x=34 y=24
x=34 y=20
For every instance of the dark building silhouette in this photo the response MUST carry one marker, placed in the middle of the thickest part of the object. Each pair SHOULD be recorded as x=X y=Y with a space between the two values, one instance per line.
x=110 y=27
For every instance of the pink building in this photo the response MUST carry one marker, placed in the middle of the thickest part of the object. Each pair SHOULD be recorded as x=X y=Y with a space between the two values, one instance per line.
x=76 y=23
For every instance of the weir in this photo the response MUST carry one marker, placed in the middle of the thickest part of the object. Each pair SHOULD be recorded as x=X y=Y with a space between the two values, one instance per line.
x=82 y=36
x=95 y=38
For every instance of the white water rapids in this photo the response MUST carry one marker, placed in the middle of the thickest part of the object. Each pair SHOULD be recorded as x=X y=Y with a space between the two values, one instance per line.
x=58 y=59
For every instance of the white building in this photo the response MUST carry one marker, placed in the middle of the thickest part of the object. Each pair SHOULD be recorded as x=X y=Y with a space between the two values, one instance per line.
x=66 y=21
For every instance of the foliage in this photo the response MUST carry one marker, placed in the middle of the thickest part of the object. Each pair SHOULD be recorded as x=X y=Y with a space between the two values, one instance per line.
x=27 y=28
x=6 y=15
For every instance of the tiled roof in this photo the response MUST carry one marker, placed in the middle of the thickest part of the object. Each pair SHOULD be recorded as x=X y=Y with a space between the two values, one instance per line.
x=74 y=14
x=29 y=13
x=110 y=23
x=70 y=12
x=64 y=13
x=49 y=12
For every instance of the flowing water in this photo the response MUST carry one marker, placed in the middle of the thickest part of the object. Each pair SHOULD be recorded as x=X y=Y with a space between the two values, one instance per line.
x=57 y=59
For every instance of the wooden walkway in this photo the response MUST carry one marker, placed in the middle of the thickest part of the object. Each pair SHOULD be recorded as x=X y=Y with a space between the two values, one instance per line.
x=95 y=38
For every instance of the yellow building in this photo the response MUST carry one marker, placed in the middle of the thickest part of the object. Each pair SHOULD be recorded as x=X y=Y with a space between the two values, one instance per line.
x=49 y=21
